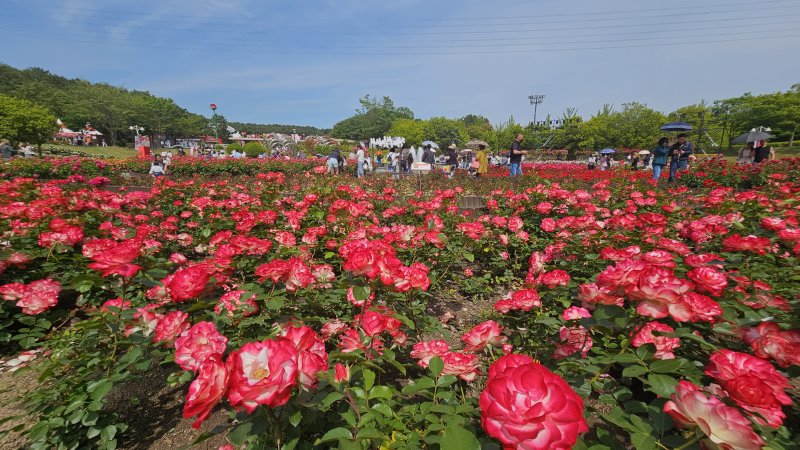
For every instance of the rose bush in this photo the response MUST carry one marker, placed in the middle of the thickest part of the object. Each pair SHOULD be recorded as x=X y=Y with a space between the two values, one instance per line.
x=577 y=308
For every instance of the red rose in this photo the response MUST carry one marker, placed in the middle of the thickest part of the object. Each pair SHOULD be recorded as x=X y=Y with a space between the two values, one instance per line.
x=462 y=365
x=171 y=326
x=200 y=342
x=573 y=340
x=341 y=373
x=738 y=243
x=664 y=344
x=526 y=406
x=115 y=258
x=232 y=301
x=33 y=298
x=487 y=333
x=752 y=383
x=724 y=425
x=548 y=225
x=424 y=351
x=206 y=390
x=311 y=355
x=262 y=373
x=770 y=342
x=708 y=280
x=554 y=278
x=187 y=283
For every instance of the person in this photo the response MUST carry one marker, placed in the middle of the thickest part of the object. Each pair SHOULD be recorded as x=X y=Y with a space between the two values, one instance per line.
x=680 y=152
x=635 y=163
x=483 y=161
x=6 y=150
x=403 y=162
x=592 y=162
x=660 y=157
x=746 y=154
x=763 y=153
x=103 y=142
x=515 y=156
x=646 y=162
x=379 y=160
x=428 y=156
x=157 y=167
x=452 y=160
x=333 y=162
x=26 y=151
x=391 y=162
x=362 y=158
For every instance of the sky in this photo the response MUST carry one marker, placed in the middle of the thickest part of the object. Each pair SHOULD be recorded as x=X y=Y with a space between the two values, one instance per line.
x=308 y=62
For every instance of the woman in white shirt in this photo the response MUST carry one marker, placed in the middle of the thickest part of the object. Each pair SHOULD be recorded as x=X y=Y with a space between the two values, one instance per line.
x=157 y=167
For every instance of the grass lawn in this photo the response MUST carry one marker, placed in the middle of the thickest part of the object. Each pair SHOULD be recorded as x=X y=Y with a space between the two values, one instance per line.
x=114 y=152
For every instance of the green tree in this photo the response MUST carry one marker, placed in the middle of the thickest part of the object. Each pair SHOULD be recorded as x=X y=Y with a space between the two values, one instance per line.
x=410 y=129
x=218 y=126
x=445 y=131
x=24 y=121
x=373 y=119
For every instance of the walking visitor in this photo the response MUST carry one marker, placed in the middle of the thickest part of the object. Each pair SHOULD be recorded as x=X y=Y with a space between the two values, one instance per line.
x=515 y=157
x=660 y=157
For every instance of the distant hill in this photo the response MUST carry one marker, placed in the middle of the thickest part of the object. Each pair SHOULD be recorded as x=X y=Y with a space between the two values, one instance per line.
x=112 y=109
x=256 y=128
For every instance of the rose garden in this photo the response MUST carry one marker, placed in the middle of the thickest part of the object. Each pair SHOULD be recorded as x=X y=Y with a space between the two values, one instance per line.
x=292 y=309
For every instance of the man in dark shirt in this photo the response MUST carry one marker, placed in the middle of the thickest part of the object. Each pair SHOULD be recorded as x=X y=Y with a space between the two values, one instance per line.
x=680 y=156
x=515 y=157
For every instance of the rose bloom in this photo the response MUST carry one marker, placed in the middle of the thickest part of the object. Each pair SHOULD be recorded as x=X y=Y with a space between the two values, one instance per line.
x=33 y=298
x=462 y=365
x=311 y=355
x=116 y=258
x=554 y=278
x=724 y=425
x=424 y=351
x=171 y=326
x=206 y=390
x=548 y=225
x=536 y=263
x=592 y=293
x=738 y=243
x=262 y=373
x=752 y=383
x=704 y=309
x=515 y=224
x=576 y=313
x=664 y=344
x=117 y=303
x=332 y=328
x=187 y=283
x=487 y=333
x=341 y=373
x=659 y=258
x=525 y=299
x=770 y=342
x=708 y=280
x=232 y=301
x=525 y=406
x=660 y=294
x=195 y=345
x=573 y=340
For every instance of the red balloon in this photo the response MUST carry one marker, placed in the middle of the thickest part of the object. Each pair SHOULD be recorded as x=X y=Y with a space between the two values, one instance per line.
x=213 y=106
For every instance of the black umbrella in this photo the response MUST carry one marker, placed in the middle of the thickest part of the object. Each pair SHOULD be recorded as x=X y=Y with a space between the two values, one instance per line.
x=753 y=136
x=676 y=126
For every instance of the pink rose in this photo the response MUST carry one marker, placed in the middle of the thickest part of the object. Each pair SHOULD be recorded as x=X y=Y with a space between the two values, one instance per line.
x=555 y=278
x=262 y=373
x=576 y=313
x=664 y=345
x=462 y=365
x=341 y=373
x=752 y=383
x=206 y=390
x=708 y=280
x=170 y=326
x=573 y=340
x=424 y=351
x=770 y=342
x=487 y=333
x=724 y=425
x=232 y=301
x=311 y=355
x=195 y=345
x=525 y=406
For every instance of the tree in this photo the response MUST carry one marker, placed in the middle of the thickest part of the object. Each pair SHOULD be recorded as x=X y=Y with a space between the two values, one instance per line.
x=445 y=131
x=23 y=121
x=373 y=119
x=218 y=126
x=410 y=129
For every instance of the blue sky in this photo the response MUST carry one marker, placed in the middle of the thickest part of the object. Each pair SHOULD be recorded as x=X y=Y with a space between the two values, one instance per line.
x=308 y=62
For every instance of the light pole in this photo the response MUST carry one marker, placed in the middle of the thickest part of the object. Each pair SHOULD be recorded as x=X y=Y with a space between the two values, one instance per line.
x=536 y=100
x=213 y=107
x=136 y=128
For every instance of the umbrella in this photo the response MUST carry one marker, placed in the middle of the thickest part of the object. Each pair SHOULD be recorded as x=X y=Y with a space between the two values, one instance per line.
x=606 y=151
x=644 y=152
x=753 y=136
x=476 y=142
x=466 y=151
x=431 y=143
x=676 y=126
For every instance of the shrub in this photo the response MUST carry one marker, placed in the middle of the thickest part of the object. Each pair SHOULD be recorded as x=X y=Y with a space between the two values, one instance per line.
x=253 y=149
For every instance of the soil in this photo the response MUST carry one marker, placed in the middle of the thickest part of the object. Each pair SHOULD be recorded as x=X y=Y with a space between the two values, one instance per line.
x=151 y=409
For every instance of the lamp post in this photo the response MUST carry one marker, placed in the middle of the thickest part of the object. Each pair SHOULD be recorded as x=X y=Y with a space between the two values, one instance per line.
x=136 y=128
x=213 y=107
x=536 y=100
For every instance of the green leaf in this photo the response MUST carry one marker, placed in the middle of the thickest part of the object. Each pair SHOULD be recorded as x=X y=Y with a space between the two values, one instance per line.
x=335 y=434
x=98 y=389
x=643 y=441
x=436 y=366
x=275 y=303
x=239 y=434
x=634 y=371
x=469 y=257
x=666 y=365
x=361 y=293
x=369 y=379
x=330 y=399
x=458 y=438
x=418 y=385
x=663 y=385
x=108 y=432
x=380 y=392
x=295 y=418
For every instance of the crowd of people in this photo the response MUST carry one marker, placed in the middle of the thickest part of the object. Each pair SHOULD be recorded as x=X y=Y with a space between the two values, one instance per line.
x=24 y=150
